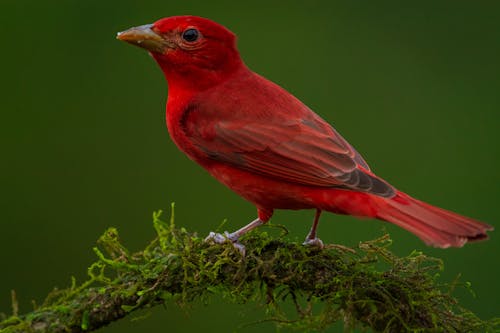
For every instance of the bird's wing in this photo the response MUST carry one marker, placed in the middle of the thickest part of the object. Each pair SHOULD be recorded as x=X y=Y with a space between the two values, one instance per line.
x=302 y=151
x=257 y=126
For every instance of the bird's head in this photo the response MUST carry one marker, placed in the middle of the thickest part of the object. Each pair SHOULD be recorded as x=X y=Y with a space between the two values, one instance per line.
x=191 y=50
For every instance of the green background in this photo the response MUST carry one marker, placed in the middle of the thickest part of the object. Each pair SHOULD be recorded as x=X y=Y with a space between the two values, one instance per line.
x=413 y=86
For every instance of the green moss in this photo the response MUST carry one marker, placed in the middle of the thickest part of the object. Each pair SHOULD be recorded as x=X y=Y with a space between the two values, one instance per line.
x=367 y=287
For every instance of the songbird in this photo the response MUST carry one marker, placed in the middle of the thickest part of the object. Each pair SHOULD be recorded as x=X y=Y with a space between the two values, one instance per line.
x=267 y=146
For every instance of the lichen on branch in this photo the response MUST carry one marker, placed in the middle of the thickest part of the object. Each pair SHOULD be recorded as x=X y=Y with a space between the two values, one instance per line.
x=366 y=287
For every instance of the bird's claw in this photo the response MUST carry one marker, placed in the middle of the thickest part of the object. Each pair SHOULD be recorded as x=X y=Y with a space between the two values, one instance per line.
x=240 y=247
x=216 y=237
x=223 y=238
x=316 y=242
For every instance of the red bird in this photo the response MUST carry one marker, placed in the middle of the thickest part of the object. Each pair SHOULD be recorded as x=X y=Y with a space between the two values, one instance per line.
x=267 y=146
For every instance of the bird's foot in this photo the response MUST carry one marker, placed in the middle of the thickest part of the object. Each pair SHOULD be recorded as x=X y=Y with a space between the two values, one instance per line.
x=223 y=238
x=316 y=242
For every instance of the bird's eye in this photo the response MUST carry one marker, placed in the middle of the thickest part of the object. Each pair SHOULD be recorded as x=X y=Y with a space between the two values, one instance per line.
x=191 y=35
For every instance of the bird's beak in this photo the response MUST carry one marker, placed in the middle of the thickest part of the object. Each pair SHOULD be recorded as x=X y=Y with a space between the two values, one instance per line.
x=144 y=36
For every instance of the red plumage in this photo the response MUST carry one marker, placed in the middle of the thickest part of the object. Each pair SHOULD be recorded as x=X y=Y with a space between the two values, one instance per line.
x=266 y=145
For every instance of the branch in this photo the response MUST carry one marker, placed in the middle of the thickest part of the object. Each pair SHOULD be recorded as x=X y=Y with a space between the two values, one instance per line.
x=366 y=287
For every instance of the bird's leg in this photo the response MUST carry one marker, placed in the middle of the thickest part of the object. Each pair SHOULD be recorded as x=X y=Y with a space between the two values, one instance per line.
x=234 y=236
x=311 y=238
x=264 y=216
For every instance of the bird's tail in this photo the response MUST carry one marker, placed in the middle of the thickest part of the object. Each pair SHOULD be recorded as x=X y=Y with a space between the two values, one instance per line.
x=435 y=226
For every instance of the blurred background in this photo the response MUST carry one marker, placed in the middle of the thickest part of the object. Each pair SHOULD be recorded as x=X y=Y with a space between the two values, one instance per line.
x=413 y=86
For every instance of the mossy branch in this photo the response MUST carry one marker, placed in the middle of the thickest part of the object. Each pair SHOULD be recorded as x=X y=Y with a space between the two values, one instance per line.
x=367 y=287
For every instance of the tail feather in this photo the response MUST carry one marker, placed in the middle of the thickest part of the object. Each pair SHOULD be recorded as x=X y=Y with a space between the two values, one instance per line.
x=435 y=226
